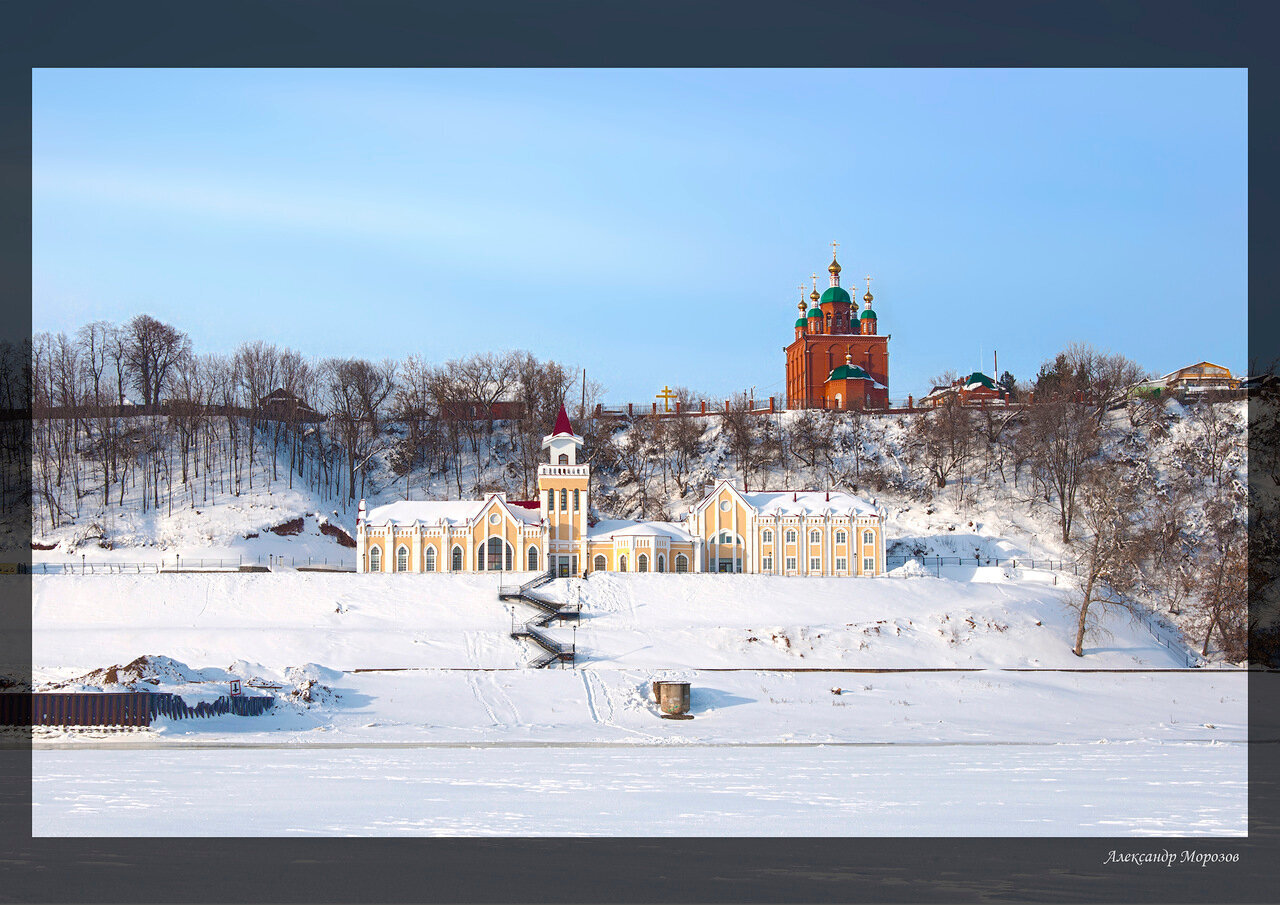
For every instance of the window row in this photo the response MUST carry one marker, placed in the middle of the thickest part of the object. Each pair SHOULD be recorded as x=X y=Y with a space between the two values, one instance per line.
x=601 y=563
x=815 y=536
x=494 y=555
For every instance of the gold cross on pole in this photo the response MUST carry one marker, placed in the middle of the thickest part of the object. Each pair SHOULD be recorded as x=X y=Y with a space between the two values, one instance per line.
x=834 y=246
x=666 y=396
x=868 y=282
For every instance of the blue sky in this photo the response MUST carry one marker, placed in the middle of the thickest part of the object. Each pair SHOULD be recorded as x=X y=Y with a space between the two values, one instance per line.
x=649 y=225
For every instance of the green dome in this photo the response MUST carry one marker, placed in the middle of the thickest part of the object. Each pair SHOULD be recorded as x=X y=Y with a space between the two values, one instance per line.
x=814 y=312
x=849 y=372
x=834 y=294
x=980 y=378
x=868 y=315
x=800 y=322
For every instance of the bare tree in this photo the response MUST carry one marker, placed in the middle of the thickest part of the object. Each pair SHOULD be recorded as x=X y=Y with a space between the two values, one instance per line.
x=1108 y=555
x=151 y=350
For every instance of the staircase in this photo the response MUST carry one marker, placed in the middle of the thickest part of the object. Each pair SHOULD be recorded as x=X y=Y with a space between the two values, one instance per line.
x=553 y=651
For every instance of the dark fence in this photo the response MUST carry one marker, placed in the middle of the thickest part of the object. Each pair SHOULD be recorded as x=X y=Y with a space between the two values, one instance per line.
x=935 y=562
x=196 y=564
x=129 y=708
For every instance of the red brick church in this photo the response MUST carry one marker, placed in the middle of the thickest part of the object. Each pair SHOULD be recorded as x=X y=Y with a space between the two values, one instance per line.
x=838 y=359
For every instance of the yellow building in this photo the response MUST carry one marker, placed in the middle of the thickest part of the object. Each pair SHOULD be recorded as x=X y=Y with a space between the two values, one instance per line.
x=766 y=532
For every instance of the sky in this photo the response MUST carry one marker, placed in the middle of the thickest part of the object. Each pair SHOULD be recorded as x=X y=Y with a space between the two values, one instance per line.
x=650 y=226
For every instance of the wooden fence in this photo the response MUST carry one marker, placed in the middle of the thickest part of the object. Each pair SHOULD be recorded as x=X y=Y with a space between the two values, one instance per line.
x=127 y=708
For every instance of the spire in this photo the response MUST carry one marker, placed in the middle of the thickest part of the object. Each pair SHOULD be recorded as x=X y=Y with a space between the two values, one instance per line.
x=562 y=423
x=834 y=267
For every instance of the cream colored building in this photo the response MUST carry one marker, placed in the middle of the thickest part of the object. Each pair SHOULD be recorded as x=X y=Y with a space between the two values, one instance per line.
x=775 y=533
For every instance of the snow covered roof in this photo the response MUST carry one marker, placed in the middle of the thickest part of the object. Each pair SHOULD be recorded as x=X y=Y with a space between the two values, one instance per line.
x=633 y=528
x=431 y=512
x=808 y=502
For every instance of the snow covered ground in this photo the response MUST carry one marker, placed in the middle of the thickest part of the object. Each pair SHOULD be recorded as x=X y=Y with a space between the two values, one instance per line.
x=423 y=720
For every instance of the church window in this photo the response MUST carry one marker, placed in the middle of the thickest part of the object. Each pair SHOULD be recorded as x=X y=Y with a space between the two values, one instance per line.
x=564 y=459
x=682 y=563
x=767 y=536
x=564 y=500
x=402 y=559
x=840 y=537
x=815 y=537
x=791 y=536
x=842 y=564
x=868 y=537
x=430 y=565
x=662 y=563
x=575 y=499
x=375 y=559
x=815 y=564
x=601 y=564
x=766 y=563
x=868 y=564
x=724 y=505
x=642 y=563
x=622 y=564
x=457 y=559
x=533 y=559
x=791 y=563
x=726 y=537
x=495 y=555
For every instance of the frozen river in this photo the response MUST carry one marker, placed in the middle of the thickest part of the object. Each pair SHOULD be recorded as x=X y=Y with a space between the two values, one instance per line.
x=1077 y=789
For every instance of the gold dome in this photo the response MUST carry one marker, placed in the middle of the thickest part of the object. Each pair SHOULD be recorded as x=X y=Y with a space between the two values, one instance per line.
x=867 y=298
x=835 y=266
x=814 y=295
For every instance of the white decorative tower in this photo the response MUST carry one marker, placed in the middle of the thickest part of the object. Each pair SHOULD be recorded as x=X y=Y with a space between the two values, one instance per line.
x=562 y=491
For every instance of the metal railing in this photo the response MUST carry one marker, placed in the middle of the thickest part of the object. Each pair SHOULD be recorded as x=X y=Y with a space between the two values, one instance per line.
x=179 y=564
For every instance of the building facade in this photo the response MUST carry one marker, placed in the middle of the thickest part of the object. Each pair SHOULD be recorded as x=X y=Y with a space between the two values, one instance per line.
x=767 y=532
x=838 y=359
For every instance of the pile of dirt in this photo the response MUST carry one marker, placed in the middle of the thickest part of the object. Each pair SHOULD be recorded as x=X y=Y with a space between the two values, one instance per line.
x=343 y=538
x=147 y=668
x=289 y=528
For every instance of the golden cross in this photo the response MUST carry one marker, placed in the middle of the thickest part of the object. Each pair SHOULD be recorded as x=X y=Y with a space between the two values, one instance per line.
x=666 y=395
x=815 y=281
x=834 y=246
x=868 y=282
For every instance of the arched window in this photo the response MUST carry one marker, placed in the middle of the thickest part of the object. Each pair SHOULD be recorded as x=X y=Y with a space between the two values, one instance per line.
x=457 y=559
x=868 y=537
x=622 y=564
x=767 y=536
x=642 y=563
x=402 y=558
x=495 y=555
x=533 y=559
x=815 y=537
x=840 y=537
x=726 y=537
x=375 y=559
x=791 y=536
x=564 y=500
x=563 y=460
x=601 y=564
x=682 y=563
x=430 y=565
x=838 y=400
x=662 y=563
x=575 y=499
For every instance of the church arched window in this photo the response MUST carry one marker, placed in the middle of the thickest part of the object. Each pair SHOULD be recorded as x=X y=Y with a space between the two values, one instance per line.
x=642 y=563
x=682 y=563
x=564 y=500
x=457 y=559
x=402 y=559
x=815 y=537
x=576 y=492
x=375 y=559
x=791 y=536
x=430 y=564
x=767 y=536
x=868 y=537
x=840 y=537
x=533 y=559
x=622 y=563
x=564 y=459
x=601 y=564
x=662 y=563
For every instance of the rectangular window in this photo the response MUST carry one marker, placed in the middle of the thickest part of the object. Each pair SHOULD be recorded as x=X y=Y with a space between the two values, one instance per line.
x=842 y=564
x=791 y=563
x=868 y=564
x=766 y=563
x=815 y=564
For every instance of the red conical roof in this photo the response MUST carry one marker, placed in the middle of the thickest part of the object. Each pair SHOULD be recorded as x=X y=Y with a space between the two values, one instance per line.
x=562 y=423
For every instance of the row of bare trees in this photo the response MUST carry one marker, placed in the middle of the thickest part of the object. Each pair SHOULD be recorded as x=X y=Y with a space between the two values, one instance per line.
x=205 y=427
